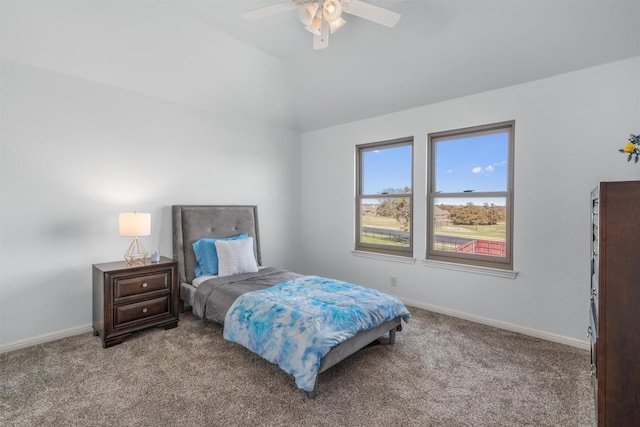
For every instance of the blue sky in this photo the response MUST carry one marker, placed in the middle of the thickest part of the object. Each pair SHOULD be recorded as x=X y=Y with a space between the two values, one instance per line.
x=476 y=163
x=387 y=168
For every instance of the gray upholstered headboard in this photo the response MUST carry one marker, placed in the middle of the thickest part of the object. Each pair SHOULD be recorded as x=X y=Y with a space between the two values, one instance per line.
x=191 y=223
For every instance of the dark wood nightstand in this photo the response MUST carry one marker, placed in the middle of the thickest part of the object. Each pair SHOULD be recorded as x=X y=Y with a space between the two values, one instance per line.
x=129 y=298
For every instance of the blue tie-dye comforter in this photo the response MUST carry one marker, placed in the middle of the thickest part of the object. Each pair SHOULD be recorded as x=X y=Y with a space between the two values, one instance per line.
x=294 y=324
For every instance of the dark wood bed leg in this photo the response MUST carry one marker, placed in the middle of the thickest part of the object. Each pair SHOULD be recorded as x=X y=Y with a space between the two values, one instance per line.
x=180 y=306
x=392 y=336
x=313 y=393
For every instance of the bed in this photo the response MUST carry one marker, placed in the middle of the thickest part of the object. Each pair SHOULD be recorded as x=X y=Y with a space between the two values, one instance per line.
x=235 y=297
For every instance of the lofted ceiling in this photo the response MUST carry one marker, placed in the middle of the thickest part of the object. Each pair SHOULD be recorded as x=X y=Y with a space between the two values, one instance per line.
x=439 y=50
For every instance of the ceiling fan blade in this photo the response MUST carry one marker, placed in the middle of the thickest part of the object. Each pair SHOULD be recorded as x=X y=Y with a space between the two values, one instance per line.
x=321 y=41
x=265 y=12
x=373 y=13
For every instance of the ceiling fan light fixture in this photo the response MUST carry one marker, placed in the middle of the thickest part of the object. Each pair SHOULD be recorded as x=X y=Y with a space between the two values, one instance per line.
x=323 y=17
x=336 y=25
x=315 y=27
x=307 y=12
x=331 y=10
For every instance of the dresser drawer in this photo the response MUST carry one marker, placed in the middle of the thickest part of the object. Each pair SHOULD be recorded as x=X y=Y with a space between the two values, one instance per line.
x=136 y=285
x=125 y=314
x=593 y=336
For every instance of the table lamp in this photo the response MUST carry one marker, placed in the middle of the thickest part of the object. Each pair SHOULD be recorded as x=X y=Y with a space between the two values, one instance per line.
x=135 y=224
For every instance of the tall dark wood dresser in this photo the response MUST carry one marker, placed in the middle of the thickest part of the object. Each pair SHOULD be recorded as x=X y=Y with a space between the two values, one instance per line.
x=614 y=328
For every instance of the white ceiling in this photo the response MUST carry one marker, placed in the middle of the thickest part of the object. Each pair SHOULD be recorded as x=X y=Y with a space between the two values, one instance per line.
x=439 y=50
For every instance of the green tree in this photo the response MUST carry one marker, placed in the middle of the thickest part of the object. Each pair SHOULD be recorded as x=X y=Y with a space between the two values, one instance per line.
x=471 y=214
x=397 y=208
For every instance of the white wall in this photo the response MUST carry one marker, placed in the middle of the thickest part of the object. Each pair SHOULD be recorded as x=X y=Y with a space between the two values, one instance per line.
x=567 y=134
x=75 y=153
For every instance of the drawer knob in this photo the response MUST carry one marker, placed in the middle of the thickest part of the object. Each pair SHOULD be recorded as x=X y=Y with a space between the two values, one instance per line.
x=144 y=285
x=144 y=310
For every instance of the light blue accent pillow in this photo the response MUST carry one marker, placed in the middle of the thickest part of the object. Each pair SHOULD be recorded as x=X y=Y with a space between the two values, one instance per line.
x=207 y=256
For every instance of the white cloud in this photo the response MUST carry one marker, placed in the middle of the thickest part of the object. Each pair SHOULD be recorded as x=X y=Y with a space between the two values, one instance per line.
x=449 y=171
x=477 y=169
x=489 y=168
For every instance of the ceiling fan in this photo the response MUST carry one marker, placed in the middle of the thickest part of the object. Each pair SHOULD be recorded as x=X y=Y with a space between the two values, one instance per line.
x=321 y=17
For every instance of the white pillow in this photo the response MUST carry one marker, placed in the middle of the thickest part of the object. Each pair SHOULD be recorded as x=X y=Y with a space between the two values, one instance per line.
x=235 y=257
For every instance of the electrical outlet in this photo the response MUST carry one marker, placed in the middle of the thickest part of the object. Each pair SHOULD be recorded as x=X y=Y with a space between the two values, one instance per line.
x=394 y=281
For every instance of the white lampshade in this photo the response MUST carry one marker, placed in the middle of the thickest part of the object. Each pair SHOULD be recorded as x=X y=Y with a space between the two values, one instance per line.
x=135 y=224
x=315 y=27
x=331 y=10
x=336 y=25
x=306 y=12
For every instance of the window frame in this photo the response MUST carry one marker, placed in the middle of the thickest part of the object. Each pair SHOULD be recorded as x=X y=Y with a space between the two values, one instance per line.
x=489 y=261
x=360 y=196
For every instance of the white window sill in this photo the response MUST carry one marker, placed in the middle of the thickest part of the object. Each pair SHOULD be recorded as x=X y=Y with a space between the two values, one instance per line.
x=384 y=257
x=508 y=274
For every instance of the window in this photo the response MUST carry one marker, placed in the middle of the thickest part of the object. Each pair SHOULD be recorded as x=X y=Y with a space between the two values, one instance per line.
x=470 y=199
x=384 y=197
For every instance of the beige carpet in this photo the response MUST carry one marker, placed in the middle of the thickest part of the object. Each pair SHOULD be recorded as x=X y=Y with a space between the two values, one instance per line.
x=442 y=371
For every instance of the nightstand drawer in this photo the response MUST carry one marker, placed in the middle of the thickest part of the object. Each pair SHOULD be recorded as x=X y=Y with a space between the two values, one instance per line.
x=131 y=312
x=127 y=286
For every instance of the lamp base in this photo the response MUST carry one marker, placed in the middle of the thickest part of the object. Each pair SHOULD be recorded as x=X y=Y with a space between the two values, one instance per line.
x=136 y=254
x=136 y=258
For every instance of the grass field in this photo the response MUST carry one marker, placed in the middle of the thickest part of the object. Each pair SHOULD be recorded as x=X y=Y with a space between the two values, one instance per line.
x=380 y=222
x=490 y=232
x=384 y=241
x=384 y=223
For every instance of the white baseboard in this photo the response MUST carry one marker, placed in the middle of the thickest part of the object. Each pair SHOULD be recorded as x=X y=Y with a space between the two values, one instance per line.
x=41 y=339
x=584 y=345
